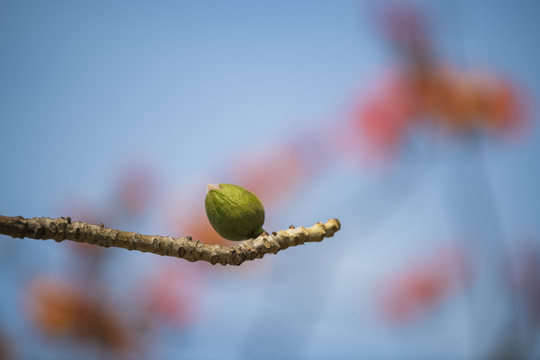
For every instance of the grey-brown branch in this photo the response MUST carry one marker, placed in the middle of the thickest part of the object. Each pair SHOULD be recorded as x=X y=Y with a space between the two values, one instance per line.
x=185 y=247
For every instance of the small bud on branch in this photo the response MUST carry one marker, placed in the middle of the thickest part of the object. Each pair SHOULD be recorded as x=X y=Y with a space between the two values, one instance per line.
x=234 y=212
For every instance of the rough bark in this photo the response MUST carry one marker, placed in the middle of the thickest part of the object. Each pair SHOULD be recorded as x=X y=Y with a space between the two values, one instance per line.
x=185 y=247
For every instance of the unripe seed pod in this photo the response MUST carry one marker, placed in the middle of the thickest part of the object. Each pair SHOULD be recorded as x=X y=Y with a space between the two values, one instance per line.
x=234 y=212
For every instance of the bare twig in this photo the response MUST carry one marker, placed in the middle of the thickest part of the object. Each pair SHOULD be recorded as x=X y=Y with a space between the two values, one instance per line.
x=63 y=229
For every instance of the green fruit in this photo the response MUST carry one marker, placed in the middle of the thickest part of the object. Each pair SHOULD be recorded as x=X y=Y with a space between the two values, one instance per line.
x=234 y=212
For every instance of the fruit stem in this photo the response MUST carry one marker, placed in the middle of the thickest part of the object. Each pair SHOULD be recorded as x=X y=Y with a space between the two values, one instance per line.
x=259 y=232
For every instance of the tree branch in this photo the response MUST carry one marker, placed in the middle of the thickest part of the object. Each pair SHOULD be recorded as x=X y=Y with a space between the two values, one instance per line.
x=63 y=229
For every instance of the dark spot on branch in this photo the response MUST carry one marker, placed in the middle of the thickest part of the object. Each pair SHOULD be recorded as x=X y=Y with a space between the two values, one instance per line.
x=181 y=251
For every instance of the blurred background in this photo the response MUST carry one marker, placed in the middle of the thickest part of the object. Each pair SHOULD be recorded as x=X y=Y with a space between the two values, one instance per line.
x=413 y=122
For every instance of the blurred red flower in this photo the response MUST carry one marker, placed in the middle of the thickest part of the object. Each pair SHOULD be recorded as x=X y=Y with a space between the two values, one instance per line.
x=60 y=309
x=196 y=225
x=423 y=90
x=135 y=188
x=168 y=295
x=423 y=285
x=385 y=116
x=271 y=174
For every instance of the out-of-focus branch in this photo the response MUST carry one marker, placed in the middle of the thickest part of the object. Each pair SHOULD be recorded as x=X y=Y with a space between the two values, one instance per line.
x=63 y=229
